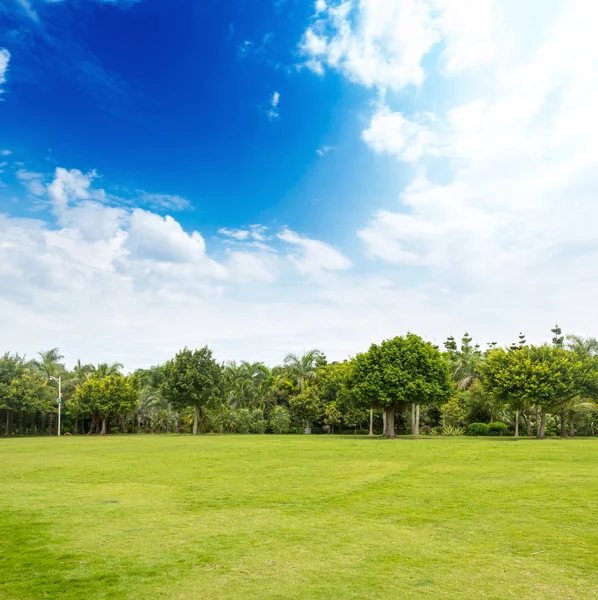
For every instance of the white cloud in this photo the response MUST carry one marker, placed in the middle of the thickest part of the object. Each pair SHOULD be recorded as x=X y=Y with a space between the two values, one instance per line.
x=382 y=43
x=237 y=234
x=251 y=267
x=163 y=201
x=255 y=232
x=377 y=43
x=69 y=186
x=324 y=150
x=273 y=112
x=4 y=60
x=407 y=138
x=320 y=6
x=33 y=182
x=162 y=239
x=313 y=257
x=511 y=225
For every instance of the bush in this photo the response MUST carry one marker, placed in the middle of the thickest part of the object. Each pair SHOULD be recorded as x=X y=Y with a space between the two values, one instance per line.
x=497 y=428
x=114 y=429
x=439 y=430
x=425 y=430
x=477 y=429
x=243 y=420
x=452 y=431
x=280 y=420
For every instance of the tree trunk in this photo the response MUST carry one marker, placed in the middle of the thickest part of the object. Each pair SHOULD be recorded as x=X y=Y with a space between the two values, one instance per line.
x=413 y=418
x=383 y=420
x=307 y=429
x=50 y=424
x=195 y=419
x=417 y=408
x=92 y=425
x=7 y=422
x=528 y=420
x=104 y=419
x=538 y=424
x=122 y=424
x=516 y=423
x=138 y=423
x=76 y=425
x=563 y=425
x=371 y=422
x=389 y=421
x=571 y=423
x=543 y=424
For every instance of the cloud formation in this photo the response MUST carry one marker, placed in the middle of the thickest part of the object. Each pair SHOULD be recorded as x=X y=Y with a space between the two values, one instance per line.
x=4 y=60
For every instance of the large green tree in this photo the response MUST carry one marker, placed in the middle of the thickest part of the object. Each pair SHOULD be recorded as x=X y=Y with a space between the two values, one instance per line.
x=399 y=372
x=545 y=376
x=193 y=378
x=106 y=396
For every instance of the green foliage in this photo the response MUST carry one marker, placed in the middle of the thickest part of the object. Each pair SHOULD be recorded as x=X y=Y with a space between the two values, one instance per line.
x=453 y=412
x=477 y=429
x=115 y=394
x=306 y=406
x=192 y=378
x=332 y=415
x=546 y=376
x=497 y=428
x=403 y=370
x=451 y=431
x=280 y=420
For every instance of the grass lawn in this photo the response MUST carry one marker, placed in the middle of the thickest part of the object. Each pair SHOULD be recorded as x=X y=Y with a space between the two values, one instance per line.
x=298 y=517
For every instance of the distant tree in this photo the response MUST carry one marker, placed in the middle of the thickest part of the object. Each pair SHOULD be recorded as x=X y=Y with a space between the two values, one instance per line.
x=280 y=419
x=401 y=371
x=105 y=396
x=464 y=361
x=306 y=406
x=304 y=368
x=192 y=378
x=545 y=376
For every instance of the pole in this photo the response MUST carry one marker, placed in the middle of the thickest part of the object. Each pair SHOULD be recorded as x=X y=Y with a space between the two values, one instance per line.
x=59 y=402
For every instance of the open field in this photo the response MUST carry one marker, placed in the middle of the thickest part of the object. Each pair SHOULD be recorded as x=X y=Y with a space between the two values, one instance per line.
x=298 y=517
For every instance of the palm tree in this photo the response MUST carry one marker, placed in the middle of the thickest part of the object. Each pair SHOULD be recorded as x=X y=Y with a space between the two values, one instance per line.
x=49 y=363
x=303 y=368
x=107 y=369
x=50 y=366
x=583 y=347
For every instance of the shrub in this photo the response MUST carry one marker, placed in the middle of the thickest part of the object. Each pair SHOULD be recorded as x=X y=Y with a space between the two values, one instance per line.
x=114 y=429
x=497 y=428
x=439 y=430
x=425 y=430
x=477 y=429
x=280 y=420
x=452 y=431
x=243 y=420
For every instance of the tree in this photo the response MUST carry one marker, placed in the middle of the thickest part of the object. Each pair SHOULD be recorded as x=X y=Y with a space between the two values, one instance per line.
x=304 y=368
x=401 y=371
x=105 y=396
x=464 y=361
x=545 y=376
x=192 y=378
x=306 y=406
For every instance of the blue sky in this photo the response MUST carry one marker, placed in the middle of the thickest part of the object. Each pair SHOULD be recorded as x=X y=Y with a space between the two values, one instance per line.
x=277 y=175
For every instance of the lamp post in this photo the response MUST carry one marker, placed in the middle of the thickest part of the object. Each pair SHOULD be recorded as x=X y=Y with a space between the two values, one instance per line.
x=59 y=380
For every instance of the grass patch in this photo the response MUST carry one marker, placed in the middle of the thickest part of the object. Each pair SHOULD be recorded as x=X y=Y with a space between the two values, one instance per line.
x=295 y=517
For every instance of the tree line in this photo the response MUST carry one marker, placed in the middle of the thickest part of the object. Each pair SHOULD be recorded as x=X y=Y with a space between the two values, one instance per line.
x=403 y=385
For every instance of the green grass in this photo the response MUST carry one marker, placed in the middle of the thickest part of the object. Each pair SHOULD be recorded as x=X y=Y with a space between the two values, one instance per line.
x=298 y=517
